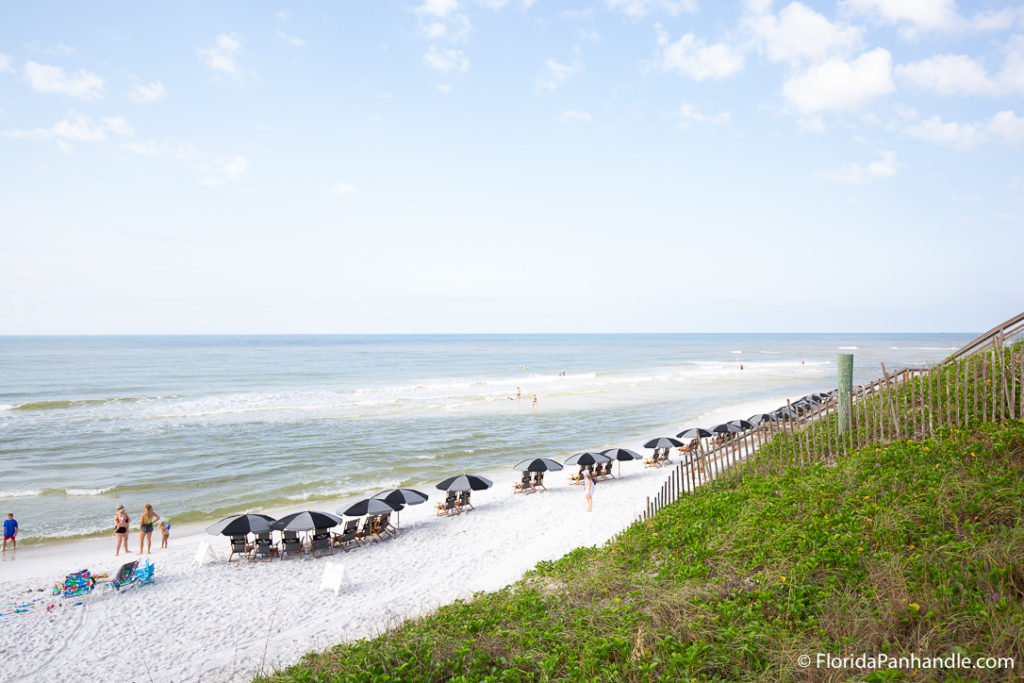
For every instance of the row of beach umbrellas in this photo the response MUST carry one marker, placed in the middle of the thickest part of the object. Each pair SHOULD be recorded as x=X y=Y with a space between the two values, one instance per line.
x=381 y=503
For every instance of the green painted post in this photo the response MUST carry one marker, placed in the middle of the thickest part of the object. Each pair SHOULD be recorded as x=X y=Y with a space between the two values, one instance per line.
x=845 y=363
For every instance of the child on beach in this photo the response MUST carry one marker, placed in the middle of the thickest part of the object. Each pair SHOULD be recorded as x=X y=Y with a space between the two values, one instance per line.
x=10 y=531
x=588 y=489
x=165 y=533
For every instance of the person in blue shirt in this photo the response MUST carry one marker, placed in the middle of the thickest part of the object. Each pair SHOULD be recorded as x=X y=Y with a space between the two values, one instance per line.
x=10 y=530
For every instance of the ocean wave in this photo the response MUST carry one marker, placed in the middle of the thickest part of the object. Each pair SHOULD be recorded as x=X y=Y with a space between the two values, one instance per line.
x=847 y=348
x=87 y=492
x=736 y=351
x=924 y=348
x=27 y=493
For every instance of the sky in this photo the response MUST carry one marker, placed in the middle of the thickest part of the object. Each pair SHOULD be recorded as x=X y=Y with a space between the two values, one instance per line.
x=510 y=166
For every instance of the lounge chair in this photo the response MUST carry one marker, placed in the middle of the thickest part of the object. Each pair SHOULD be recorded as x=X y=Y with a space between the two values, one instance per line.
x=538 y=481
x=349 y=535
x=291 y=544
x=321 y=543
x=144 y=573
x=654 y=460
x=265 y=548
x=578 y=477
x=463 y=501
x=75 y=585
x=522 y=486
x=124 y=575
x=608 y=470
x=450 y=505
x=239 y=546
x=384 y=524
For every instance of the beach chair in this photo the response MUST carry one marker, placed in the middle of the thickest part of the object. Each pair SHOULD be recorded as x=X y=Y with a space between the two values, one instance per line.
x=538 y=481
x=143 y=573
x=124 y=576
x=522 y=486
x=608 y=470
x=450 y=505
x=291 y=544
x=578 y=477
x=463 y=501
x=264 y=549
x=76 y=585
x=239 y=546
x=349 y=536
x=384 y=524
x=321 y=543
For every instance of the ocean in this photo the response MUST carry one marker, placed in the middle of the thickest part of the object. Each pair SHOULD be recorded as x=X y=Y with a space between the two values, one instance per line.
x=207 y=426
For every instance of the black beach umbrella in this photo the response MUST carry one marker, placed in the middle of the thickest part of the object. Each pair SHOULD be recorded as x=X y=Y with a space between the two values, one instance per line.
x=306 y=520
x=759 y=418
x=465 y=482
x=742 y=424
x=622 y=454
x=726 y=428
x=663 y=442
x=538 y=465
x=240 y=525
x=694 y=433
x=368 y=506
x=586 y=458
x=397 y=498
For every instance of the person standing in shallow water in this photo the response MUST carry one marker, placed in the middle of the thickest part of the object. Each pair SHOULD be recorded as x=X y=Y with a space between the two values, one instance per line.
x=146 y=522
x=588 y=489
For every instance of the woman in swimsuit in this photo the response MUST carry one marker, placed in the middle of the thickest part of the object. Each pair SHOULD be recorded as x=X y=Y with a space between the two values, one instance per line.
x=588 y=489
x=121 y=522
x=146 y=522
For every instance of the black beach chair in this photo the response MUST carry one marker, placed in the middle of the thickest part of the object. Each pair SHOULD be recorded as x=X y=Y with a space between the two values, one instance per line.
x=349 y=535
x=239 y=546
x=264 y=549
x=384 y=524
x=463 y=501
x=578 y=477
x=538 y=481
x=522 y=486
x=450 y=505
x=291 y=544
x=321 y=543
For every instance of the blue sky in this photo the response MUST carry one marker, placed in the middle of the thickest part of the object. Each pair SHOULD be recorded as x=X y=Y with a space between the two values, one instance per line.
x=490 y=166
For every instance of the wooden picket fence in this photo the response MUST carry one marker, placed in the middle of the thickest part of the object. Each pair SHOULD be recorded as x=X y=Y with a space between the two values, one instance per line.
x=980 y=382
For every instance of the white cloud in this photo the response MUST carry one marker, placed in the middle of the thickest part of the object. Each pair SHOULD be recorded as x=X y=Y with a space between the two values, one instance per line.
x=52 y=79
x=572 y=115
x=148 y=92
x=855 y=174
x=641 y=8
x=438 y=8
x=692 y=57
x=555 y=73
x=688 y=113
x=6 y=64
x=165 y=150
x=811 y=124
x=441 y=18
x=292 y=40
x=918 y=16
x=840 y=85
x=1012 y=75
x=222 y=56
x=234 y=167
x=947 y=75
x=445 y=61
x=76 y=128
x=799 y=33
x=589 y=34
x=444 y=89
x=957 y=135
x=342 y=189
x=1007 y=126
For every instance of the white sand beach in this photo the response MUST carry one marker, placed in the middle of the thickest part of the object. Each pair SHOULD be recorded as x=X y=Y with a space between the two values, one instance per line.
x=227 y=621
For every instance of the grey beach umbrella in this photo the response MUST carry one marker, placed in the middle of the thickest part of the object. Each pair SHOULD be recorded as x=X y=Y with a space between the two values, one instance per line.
x=726 y=428
x=399 y=497
x=538 y=465
x=586 y=458
x=694 y=433
x=742 y=424
x=306 y=520
x=240 y=525
x=663 y=442
x=759 y=418
x=367 y=506
x=622 y=454
x=465 y=482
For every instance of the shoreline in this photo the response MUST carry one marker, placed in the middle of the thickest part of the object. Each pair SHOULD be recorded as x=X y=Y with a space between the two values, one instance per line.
x=222 y=617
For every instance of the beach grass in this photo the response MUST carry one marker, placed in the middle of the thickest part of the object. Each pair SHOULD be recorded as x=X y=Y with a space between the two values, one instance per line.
x=908 y=549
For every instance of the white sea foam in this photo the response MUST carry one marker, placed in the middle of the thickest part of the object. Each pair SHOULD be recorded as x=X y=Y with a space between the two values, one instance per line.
x=87 y=492
x=28 y=493
x=737 y=351
x=847 y=348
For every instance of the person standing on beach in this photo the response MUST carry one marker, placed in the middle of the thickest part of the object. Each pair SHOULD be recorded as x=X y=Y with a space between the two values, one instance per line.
x=535 y=400
x=588 y=489
x=121 y=523
x=10 y=531
x=165 y=533
x=146 y=522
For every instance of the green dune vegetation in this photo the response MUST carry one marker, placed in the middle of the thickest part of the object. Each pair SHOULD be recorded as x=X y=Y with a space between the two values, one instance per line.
x=909 y=546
